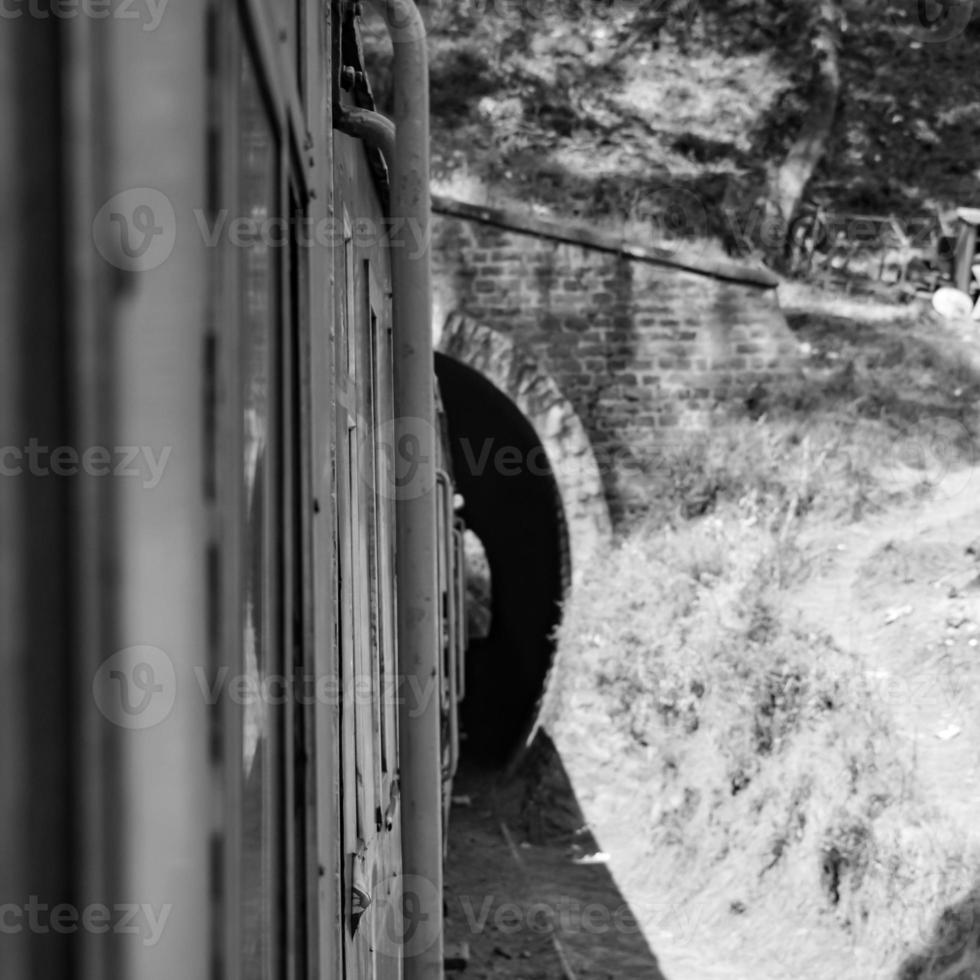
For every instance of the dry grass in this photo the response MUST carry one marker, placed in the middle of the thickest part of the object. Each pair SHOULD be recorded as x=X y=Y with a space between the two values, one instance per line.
x=882 y=411
x=778 y=800
x=769 y=761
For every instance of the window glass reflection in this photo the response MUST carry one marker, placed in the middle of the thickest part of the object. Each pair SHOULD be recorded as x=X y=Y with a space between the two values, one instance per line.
x=257 y=156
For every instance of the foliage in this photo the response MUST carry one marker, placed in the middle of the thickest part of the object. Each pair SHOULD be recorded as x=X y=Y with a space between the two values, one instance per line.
x=616 y=110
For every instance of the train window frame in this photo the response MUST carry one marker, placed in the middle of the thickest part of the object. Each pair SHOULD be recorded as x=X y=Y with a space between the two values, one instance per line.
x=306 y=167
x=363 y=675
x=299 y=42
x=347 y=656
x=350 y=303
x=297 y=603
x=354 y=521
x=381 y=372
x=292 y=887
x=275 y=45
x=377 y=409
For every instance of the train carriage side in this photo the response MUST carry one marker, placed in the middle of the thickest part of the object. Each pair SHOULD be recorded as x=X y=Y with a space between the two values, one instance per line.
x=365 y=569
x=182 y=297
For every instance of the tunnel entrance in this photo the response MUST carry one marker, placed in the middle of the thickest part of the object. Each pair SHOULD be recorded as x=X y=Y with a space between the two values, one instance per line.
x=513 y=505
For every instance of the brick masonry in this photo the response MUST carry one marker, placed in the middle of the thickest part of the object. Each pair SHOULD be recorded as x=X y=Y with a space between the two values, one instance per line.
x=641 y=345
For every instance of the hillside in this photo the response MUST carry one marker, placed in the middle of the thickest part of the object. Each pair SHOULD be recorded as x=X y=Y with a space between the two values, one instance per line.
x=663 y=119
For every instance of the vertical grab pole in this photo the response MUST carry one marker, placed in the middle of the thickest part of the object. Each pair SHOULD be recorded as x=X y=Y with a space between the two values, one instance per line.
x=415 y=454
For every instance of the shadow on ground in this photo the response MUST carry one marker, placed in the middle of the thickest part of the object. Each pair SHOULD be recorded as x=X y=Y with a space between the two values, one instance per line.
x=526 y=889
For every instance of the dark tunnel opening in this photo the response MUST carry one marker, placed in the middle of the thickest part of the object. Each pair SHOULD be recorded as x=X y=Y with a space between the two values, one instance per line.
x=513 y=505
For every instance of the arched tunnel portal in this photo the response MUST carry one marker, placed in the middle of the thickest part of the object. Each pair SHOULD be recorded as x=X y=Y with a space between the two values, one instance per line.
x=514 y=506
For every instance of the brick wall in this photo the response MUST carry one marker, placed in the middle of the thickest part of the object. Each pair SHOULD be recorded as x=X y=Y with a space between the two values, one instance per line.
x=643 y=343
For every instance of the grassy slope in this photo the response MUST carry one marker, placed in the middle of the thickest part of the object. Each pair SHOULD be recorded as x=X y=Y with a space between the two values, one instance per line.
x=777 y=810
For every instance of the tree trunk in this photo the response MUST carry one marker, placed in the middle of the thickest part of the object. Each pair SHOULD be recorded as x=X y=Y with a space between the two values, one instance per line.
x=788 y=183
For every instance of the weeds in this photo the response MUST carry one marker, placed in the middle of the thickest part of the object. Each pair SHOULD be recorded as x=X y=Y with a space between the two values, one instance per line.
x=768 y=757
x=876 y=415
x=769 y=762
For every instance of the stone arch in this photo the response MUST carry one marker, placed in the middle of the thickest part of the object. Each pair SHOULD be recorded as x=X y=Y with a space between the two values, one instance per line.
x=518 y=375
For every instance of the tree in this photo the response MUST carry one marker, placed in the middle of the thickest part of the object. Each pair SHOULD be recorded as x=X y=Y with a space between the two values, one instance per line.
x=788 y=182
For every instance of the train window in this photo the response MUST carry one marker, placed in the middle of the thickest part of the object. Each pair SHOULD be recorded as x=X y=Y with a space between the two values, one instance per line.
x=375 y=586
x=290 y=21
x=296 y=581
x=258 y=154
x=379 y=412
x=389 y=679
x=378 y=581
x=386 y=536
x=345 y=620
x=349 y=300
x=299 y=42
x=364 y=694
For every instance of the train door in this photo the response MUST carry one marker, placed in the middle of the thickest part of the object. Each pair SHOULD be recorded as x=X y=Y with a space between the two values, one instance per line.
x=370 y=832
x=377 y=484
